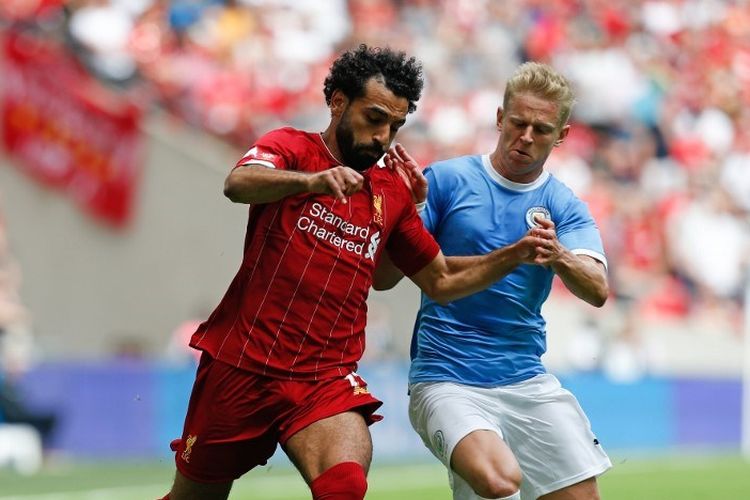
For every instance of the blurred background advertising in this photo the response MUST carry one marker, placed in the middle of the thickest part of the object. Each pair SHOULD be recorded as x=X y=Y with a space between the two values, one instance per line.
x=121 y=118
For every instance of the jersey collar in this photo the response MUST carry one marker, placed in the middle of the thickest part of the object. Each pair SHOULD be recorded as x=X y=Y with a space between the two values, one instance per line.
x=379 y=164
x=322 y=143
x=508 y=184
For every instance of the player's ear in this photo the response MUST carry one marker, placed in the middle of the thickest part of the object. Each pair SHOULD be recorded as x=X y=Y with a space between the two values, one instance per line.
x=499 y=122
x=563 y=135
x=338 y=104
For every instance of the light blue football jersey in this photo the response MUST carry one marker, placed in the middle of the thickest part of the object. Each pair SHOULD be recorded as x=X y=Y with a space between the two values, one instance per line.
x=496 y=336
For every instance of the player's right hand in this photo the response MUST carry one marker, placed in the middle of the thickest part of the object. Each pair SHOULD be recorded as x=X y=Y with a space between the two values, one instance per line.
x=526 y=248
x=337 y=181
x=398 y=159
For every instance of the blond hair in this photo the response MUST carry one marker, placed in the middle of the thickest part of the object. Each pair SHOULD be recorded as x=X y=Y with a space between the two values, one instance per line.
x=544 y=82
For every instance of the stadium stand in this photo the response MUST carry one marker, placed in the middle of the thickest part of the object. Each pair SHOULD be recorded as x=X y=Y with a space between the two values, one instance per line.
x=660 y=142
x=660 y=150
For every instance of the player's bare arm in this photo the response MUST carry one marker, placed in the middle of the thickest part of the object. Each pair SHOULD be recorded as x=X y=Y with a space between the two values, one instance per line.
x=459 y=271
x=450 y=278
x=583 y=275
x=257 y=184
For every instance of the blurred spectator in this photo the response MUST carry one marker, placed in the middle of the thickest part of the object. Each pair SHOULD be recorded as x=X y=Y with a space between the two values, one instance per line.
x=380 y=338
x=624 y=359
x=660 y=147
x=13 y=315
x=709 y=222
x=101 y=29
x=16 y=348
x=178 y=349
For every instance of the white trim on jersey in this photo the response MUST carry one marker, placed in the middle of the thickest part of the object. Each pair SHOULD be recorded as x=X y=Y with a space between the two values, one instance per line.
x=330 y=153
x=515 y=186
x=596 y=255
x=260 y=163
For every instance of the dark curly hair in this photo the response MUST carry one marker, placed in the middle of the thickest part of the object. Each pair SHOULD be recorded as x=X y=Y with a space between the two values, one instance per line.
x=351 y=71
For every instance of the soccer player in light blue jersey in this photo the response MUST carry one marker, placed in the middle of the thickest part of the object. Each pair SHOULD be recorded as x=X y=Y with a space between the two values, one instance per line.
x=480 y=397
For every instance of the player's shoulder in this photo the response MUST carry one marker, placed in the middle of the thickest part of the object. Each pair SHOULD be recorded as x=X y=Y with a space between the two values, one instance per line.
x=563 y=199
x=291 y=143
x=287 y=136
x=285 y=147
x=459 y=165
x=450 y=174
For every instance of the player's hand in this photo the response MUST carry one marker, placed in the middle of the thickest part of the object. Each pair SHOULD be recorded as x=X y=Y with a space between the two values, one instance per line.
x=526 y=248
x=337 y=181
x=549 y=249
x=398 y=159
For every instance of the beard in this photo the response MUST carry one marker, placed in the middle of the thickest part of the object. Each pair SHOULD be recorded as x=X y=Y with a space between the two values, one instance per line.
x=360 y=157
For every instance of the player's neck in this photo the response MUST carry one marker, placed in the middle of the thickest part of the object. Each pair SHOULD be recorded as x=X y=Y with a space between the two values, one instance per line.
x=526 y=178
x=329 y=140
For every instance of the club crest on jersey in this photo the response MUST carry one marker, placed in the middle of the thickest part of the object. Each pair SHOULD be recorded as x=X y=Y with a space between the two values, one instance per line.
x=377 y=207
x=438 y=441
x=189 y=442
x=536 y=212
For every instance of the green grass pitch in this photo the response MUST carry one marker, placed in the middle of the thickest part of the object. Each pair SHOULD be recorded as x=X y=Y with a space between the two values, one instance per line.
x=692 y=477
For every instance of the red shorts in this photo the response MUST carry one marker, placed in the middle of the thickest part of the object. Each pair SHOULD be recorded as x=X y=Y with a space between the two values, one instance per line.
x=235 y=418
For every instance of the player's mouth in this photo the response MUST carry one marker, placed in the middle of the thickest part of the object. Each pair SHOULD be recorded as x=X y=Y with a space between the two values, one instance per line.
x=521 y=153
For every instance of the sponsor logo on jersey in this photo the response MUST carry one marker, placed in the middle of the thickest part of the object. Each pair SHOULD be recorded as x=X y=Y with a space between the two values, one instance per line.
x=339 y=232
x=189 y=442
x=536 y=213
x=372 y=247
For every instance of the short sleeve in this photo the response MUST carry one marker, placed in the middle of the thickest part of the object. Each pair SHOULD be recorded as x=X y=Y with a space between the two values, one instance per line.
x=579 y=233
x=270 y=150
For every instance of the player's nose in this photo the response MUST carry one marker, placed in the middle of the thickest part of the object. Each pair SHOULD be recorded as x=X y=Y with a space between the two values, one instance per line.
x=381 y=136
x=527 y=136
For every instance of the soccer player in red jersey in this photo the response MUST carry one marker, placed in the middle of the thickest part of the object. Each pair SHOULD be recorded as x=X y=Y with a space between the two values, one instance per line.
x=281 y=349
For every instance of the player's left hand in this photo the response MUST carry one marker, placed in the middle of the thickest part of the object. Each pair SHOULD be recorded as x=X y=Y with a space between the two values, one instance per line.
x=550 y=250
x=410 y=171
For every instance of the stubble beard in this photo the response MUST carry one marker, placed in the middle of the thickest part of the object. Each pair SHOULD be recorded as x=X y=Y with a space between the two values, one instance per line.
x=356 y=156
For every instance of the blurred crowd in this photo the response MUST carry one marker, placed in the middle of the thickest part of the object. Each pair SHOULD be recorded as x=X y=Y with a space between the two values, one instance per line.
x=15 y=336
x=32 y=429
x=660 y=144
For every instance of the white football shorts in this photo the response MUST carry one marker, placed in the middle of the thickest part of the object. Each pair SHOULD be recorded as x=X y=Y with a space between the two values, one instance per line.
x=541 y=422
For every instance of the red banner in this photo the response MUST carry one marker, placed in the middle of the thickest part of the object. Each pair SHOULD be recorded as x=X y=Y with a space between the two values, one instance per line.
x=67 y=130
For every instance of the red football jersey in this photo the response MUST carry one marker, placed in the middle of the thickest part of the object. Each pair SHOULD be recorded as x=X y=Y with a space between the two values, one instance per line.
x=296 y=308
